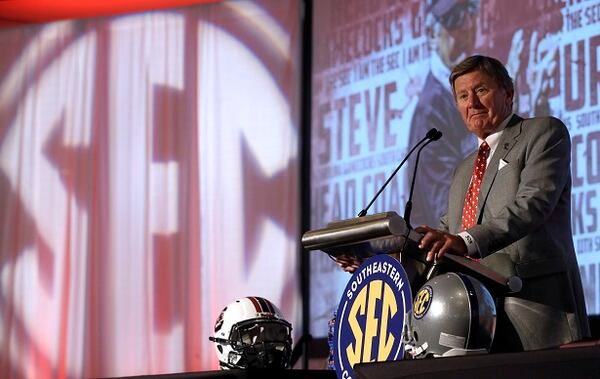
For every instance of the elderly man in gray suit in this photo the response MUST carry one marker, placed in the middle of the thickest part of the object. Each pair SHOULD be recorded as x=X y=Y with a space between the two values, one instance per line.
x=510 y=205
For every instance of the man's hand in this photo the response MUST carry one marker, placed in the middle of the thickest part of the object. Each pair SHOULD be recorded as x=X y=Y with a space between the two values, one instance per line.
x=348 y=263
x=439 y=243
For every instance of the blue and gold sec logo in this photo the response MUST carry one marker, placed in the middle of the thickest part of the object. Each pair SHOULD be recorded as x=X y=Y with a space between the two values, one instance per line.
x=371 y=315
x=422 y=301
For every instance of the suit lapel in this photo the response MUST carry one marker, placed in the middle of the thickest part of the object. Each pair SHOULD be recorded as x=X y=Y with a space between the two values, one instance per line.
x=507 y=141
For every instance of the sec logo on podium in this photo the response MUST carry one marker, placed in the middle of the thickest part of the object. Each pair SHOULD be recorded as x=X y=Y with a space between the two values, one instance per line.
x=371 y=315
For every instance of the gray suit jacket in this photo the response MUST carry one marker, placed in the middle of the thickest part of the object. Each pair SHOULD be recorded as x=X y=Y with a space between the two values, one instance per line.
x=524 y=229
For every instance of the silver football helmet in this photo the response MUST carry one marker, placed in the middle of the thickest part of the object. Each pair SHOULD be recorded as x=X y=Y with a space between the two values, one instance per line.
x=452 y=314
x=252 y=333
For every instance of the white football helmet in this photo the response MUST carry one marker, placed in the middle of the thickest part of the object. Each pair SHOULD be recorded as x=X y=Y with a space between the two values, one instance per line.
x=252 y=333
x=452 y=314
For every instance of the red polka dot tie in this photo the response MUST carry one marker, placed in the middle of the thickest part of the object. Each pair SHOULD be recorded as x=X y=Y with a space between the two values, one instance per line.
x=470 y=207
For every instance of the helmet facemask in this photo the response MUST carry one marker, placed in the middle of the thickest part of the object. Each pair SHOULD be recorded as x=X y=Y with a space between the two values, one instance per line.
x=248 y=338
x=261 y=344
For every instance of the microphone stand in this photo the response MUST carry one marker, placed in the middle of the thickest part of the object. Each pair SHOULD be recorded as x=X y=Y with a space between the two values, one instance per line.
x=408 y=207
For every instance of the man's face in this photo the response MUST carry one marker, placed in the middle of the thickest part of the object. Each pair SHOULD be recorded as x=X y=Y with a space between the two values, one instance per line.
x=482 y=103
x=457 y=37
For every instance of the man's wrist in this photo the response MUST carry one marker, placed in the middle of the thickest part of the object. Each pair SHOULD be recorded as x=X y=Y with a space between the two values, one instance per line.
x=472 y=248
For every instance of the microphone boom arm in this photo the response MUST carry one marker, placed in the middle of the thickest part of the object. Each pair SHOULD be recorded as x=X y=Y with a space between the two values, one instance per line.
x=432 y=135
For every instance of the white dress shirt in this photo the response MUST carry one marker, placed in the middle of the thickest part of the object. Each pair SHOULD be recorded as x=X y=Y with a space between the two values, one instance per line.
x=492 y=140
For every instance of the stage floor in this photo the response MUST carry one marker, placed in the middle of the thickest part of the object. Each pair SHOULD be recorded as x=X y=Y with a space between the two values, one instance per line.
x=573 y=362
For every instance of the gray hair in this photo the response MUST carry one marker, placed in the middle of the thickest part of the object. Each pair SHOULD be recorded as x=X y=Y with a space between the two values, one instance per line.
x=488 y=65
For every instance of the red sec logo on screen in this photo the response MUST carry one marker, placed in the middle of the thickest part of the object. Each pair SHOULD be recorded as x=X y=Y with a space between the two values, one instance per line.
x=371 y=315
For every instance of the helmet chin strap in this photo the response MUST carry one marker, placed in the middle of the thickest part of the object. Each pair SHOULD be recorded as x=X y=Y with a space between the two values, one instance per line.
x=259 y=356
x=417 y=352
x=227 y=366
x=411 y=346
x=266 y=358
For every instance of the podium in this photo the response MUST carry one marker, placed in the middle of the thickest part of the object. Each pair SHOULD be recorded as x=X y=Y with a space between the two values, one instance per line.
x=388 y=233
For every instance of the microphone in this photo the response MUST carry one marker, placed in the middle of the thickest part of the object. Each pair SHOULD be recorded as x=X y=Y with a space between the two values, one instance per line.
x=432 y=135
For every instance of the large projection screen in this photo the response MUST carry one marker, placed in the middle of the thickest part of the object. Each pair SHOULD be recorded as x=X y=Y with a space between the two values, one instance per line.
x=380 y=73
x=148 y=178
